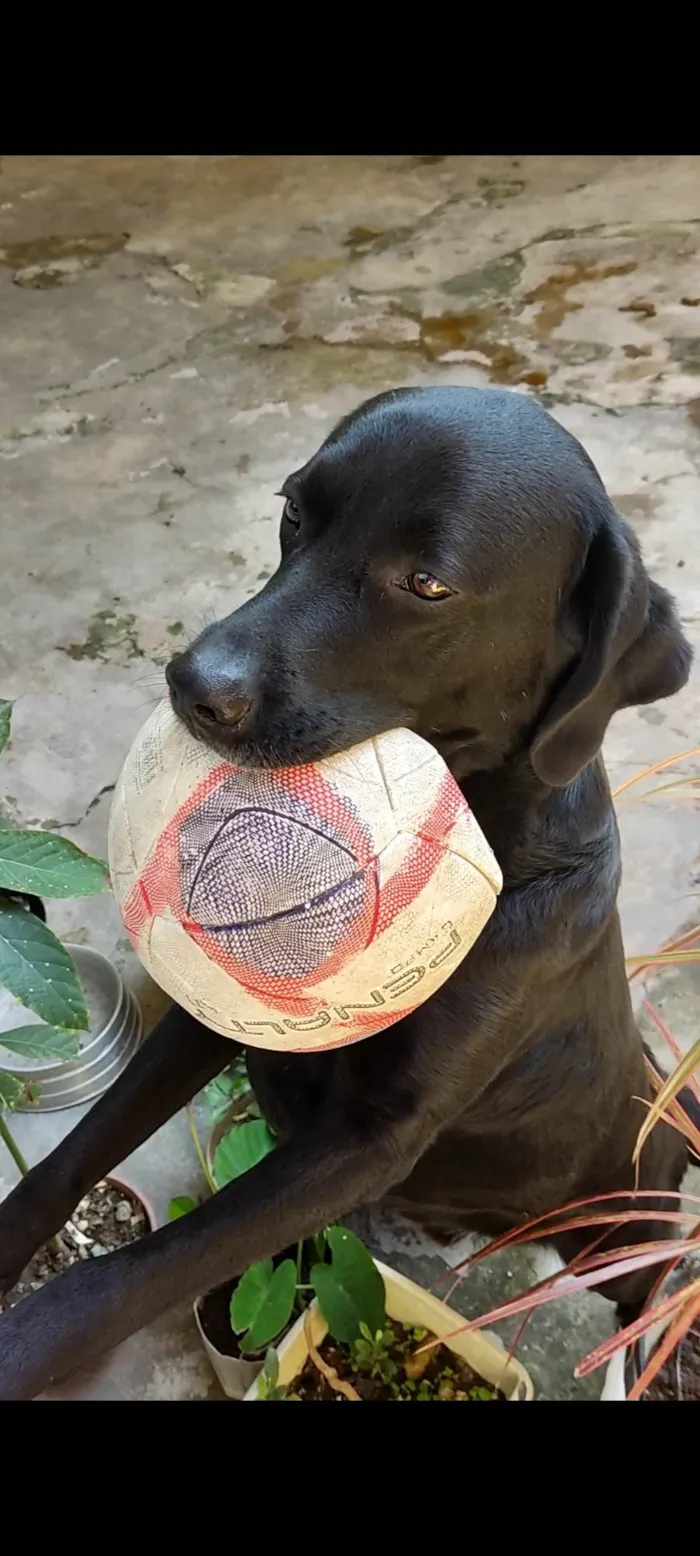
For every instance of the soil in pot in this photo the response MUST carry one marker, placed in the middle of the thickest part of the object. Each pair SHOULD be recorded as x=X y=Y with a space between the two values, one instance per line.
x=402 y=1371
x=679 y=1378
x=107 y=1218
x=214 y=1310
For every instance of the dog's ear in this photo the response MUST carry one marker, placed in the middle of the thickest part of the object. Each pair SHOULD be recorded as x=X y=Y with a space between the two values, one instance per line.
x=633 y=651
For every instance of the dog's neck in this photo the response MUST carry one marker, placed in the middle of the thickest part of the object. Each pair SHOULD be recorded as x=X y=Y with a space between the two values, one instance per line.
x=531 y=827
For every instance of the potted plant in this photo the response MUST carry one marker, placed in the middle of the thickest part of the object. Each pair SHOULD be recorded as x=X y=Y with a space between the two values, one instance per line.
x=87 y=1023
x=37 y=973
x=658 y=1355
x=329 y=1291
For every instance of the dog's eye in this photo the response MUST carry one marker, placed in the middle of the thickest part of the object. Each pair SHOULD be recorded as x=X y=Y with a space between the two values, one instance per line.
x=426 y=586
x=291 y=513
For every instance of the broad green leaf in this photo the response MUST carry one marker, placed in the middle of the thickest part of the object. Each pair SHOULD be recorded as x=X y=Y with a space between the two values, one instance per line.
x=181 y=1205
x=48 y=865
x=242 y=1148
x=262 y=1302
x=5 y=717
x=10 y=1090
x=248 y=1295
x=37 y=969
x=40 y=1042
x=350 y=1290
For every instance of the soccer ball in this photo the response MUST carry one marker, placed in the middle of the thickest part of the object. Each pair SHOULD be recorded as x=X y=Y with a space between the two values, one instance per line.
x=298 y=909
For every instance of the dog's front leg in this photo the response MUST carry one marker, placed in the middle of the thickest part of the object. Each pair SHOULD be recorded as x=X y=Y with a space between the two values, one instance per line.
x=302 y=1186
x=175 y=1062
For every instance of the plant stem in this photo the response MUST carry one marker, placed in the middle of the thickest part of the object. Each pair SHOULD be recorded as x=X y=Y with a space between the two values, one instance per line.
x=13 y=1147
x=198 y=1148
x=298 y=1299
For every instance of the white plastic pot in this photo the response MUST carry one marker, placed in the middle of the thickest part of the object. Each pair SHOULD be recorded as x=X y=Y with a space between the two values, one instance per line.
x=235 y=1374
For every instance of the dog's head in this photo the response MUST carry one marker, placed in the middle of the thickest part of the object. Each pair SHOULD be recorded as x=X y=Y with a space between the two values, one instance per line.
x=450 y=563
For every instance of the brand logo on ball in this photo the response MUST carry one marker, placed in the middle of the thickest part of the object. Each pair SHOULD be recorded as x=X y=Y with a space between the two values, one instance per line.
x=402 y=983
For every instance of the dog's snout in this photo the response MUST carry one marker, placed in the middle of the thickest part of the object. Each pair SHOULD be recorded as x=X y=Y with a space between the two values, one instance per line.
x=207 y=696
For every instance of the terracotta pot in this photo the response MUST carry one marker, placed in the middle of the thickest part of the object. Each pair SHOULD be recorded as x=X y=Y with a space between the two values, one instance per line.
x=410 y=1304
x=130 y=1191
x=235 y=1374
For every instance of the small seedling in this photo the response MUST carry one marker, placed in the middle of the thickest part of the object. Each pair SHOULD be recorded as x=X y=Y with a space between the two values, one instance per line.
x=269 y=1386
x=371 y=1353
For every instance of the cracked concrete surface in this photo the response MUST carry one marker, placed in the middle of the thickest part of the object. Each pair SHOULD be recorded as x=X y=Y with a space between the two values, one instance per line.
x=177 y=334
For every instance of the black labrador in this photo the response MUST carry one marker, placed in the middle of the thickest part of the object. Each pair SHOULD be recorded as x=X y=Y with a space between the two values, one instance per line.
x=450 y=563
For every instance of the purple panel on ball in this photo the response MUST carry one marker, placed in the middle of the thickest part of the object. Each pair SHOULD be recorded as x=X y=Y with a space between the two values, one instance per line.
x=277 y=890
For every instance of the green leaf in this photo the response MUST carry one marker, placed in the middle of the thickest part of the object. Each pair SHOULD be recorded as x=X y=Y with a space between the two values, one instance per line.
x=350 y=1290
x=262 y=1302
x=48 y=865
x=242 y=1148
x=5 y=717
x=181 y=1205
x=37 y=969
x=40 y=1042
x=271 y=1367
x=10 y=1090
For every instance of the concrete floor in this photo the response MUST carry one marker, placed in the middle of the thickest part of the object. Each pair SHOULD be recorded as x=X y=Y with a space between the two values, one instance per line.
x=177 y=334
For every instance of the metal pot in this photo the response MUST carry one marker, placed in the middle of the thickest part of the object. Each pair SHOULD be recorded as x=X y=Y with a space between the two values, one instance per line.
x=115 y=1032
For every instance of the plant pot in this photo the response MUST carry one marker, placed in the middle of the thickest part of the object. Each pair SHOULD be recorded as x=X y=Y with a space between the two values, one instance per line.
x=116 y=1030
x=235 y=1374
x=131 y=1192
x=410 y=1304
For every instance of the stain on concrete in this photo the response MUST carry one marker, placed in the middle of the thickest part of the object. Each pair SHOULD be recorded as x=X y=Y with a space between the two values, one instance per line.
x=562 y=234
x=474 y=335
x=692 y=412
x=495 y=279
x=57 y=258
x=494 y=192
x=636 y=505
x=237 y=559
x=107 y=633
x=243 y=464
x=686 y=353
x=309 y=267
x=552 y=294
x=174 y=629
x=639 y=305
x=376 y=240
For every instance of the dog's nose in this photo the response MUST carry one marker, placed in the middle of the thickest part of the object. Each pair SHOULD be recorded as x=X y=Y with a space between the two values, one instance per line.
x=206 y=696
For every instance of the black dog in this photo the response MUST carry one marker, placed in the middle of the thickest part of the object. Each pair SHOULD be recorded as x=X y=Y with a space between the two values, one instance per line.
x=450 y=563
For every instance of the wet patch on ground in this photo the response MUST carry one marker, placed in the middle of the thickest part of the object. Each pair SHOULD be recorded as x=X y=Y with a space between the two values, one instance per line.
x=108 y=633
